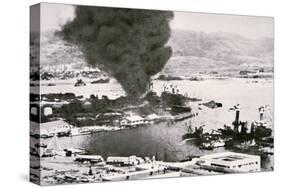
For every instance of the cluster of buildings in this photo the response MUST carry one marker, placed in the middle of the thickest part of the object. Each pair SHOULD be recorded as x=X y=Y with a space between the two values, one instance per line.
x=63 y=72
x=102 y=122
x=132 y=167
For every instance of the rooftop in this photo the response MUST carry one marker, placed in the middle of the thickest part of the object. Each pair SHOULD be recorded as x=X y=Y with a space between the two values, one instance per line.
x=90 y=157
x=134 y=118
x=230 y=157
x=55 y=123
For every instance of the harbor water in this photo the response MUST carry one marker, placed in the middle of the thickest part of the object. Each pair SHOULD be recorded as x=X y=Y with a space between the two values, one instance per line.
x=164 y=140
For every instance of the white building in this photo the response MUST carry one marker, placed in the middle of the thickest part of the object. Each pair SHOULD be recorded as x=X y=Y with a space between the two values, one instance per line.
x=231 y=162
x=133 y=120
x=49 y=129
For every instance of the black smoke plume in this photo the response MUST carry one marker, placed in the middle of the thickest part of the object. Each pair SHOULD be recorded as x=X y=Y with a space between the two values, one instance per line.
x=127 y=43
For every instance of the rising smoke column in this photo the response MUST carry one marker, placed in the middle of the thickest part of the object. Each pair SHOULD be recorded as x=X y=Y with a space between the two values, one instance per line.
x=127 y=43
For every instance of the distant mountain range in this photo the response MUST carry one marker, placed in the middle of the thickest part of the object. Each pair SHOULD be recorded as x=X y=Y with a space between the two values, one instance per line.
x=192 y=52
x=198 y=51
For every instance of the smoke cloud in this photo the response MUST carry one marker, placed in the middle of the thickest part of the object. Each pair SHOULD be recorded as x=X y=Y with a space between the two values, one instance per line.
x=129 y=44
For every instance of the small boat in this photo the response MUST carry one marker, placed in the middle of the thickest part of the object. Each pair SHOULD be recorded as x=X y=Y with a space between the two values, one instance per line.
x=195 y=78
x=45 y=135
x=84 y=179
x=189 y=158
x=69 y=178
x=100 y=81
x=74 y=151
x=84 y=131
x=51 y=84
x=81 y=131
x=212 y=104
x=63 y=134
x=79 y=83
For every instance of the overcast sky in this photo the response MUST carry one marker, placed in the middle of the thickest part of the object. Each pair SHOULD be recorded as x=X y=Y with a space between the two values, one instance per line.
x=55 y=15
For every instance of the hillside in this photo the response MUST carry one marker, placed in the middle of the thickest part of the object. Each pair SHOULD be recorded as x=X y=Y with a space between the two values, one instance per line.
x=193 y=52
x=198 y=51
